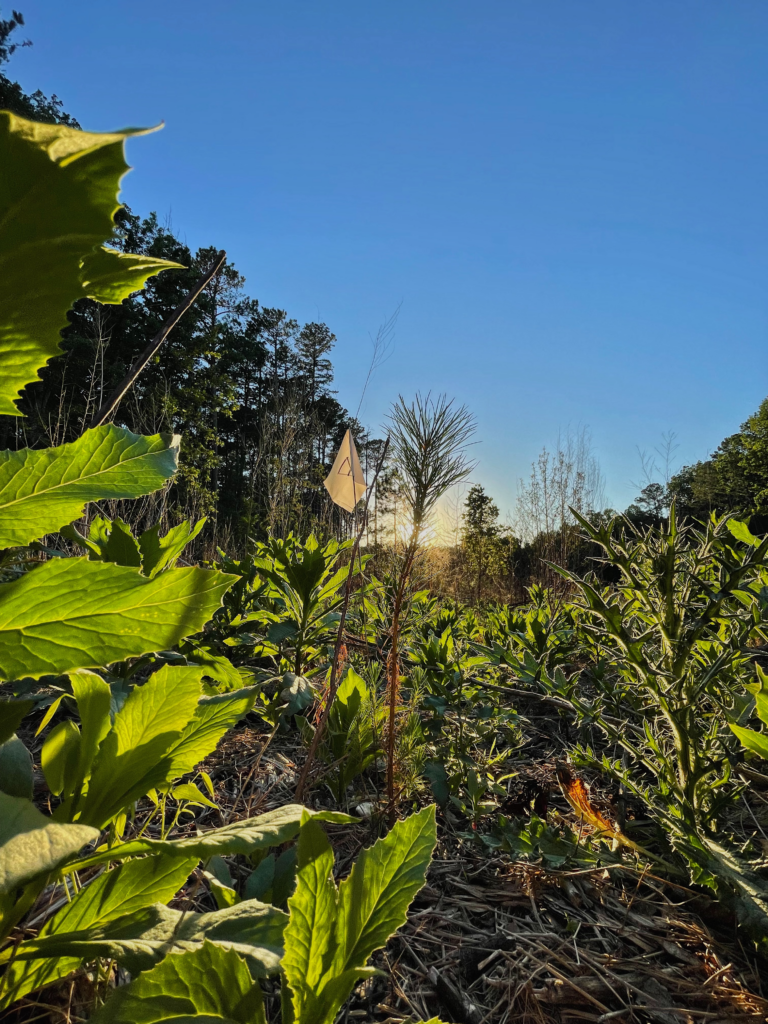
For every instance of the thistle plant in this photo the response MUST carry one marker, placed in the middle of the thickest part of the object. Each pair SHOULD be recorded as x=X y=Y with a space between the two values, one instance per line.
x=429 y=438
x=675 y=637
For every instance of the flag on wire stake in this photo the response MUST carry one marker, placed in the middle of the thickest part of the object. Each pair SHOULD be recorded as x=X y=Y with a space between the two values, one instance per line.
x=346 y=483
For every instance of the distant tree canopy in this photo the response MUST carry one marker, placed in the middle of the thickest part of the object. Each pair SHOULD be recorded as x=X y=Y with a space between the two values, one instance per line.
x=733 y=480
x=251 y=389
x=248 y=386
x=37 y=106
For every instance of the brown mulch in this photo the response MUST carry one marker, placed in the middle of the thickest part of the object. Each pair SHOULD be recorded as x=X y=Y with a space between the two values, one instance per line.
x=490 y=940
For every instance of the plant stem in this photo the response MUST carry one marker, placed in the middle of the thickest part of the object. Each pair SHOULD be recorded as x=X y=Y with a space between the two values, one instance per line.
x=332 y=682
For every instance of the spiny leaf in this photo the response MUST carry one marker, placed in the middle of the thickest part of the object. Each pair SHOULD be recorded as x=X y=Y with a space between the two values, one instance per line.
x=42 y=490
x=72 y=613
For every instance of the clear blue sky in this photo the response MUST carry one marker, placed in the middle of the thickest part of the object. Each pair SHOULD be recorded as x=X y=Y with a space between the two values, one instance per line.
x=569 y=199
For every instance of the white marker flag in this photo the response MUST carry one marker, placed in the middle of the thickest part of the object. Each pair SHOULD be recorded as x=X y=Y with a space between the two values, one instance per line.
x=346 y=483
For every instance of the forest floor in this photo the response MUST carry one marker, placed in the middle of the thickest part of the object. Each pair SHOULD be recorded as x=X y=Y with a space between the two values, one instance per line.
x=491 y=940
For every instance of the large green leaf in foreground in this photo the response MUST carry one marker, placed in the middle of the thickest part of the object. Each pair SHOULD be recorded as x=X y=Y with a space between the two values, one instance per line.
x=58 y=195
x=210 y=985
x=243 y=837
x=110 y=276
x=135 y=755
x=138 y=940
x=332 y=932
x=42 y=490
x=72 y=613
x=31 y=844
x=117 y=894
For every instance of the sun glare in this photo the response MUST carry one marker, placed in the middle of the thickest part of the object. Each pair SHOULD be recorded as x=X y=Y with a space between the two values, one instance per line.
x=428 y=537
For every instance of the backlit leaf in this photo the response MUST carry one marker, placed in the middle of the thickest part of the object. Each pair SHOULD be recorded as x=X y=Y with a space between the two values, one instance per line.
x=60 y=757
x=134 y=757
x=31 y=844
x=213 y=717
x=210 y=984
x=157 y=552
x=58 y=195
x=110 y=276
x=72 y=613
x=752 y=740
x=41 y=490
x=331 y=933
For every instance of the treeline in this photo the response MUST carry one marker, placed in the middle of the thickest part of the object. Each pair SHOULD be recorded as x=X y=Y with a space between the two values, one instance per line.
x=251 y=389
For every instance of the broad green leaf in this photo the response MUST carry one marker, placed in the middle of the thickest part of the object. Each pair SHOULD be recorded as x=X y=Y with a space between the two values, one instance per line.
x=210 y=984
x=12 y=714
x=374 y=898
x=58 y=195
x=60 y=757
x=224 y=895
x=310 y=936
x=136 y=754
x=31 y=844
x=93 y=698
x=216 y=667
x=741 y=532
x=16 y=769
x=756 y=741
x=244 y=837
x=41 y=490
x=53 y=707
x=115 y=895
x=213 y=717
x=260 y=880
x=110 y=276
x=761 y=706
x=157 y=552
x=188 y=791
x=71 y=613
x=121 y=546
x=139 y=939
x=284 y=879
x=331 y=933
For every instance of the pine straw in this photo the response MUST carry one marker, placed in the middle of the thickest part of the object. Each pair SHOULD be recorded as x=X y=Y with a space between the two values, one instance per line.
x=490 y=940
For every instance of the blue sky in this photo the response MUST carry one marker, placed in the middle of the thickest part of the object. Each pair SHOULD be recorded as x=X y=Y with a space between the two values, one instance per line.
x=569 y=200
